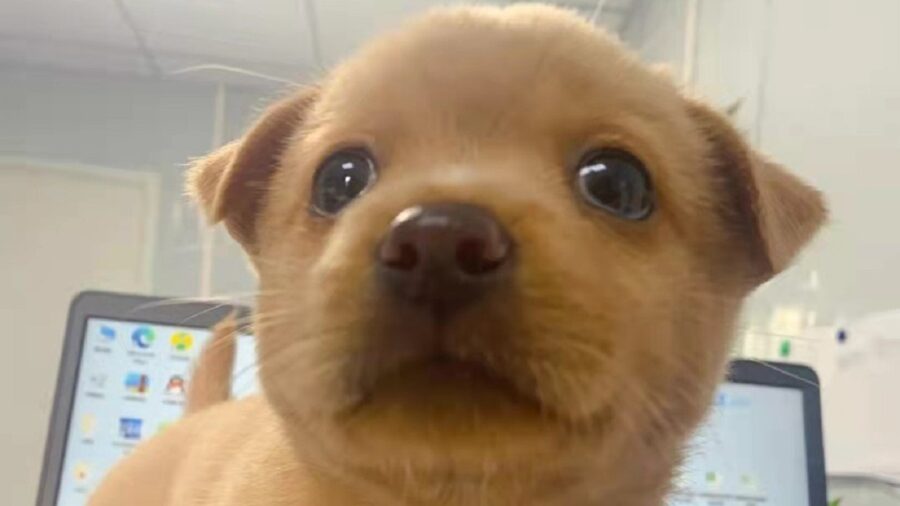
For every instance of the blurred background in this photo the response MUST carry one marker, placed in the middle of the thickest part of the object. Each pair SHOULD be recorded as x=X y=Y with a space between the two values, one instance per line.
x=102 y=103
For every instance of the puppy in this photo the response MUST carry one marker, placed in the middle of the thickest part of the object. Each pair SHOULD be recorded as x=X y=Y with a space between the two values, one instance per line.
x=500 y=263
x=211 y=378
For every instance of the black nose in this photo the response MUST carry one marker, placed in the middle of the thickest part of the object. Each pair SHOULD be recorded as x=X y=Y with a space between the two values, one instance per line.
x=443 y=253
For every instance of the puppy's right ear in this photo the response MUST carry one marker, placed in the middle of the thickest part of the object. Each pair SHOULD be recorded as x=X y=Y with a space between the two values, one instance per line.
x=231 y=183
x=771 y=212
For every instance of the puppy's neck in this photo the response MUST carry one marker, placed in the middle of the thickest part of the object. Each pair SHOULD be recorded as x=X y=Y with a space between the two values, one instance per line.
x=451 y=493
x=628 y=482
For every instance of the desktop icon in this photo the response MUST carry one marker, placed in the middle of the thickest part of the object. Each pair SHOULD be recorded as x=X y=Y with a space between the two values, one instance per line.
x=108 y=333
x=88 y=425
x=82 y=472
x=175 y=385
x=143 y=337
x=749 y=483
x=97 y=380
x=130 y=428
x=182 y=341
x=713 y=480
x=137 y=383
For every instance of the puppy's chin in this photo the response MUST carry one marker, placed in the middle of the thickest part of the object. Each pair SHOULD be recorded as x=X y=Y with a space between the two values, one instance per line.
x=441 y=393
x=437 y=400
x=449 y=416
x=445 y=411
x=442 y=387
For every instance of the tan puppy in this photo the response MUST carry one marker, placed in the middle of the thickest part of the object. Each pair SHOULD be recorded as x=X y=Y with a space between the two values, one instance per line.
x=500 y=263
x=211 y=378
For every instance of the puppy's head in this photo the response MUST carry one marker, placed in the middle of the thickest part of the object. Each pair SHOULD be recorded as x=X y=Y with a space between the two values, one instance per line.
x=494 y=246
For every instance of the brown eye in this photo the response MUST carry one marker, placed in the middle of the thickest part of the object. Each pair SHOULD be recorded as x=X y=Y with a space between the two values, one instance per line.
x=617 y=182
x=341 y=178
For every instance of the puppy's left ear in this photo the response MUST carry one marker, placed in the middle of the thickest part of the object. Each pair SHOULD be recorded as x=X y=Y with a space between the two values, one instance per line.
x=771 y=213
x=231 y=183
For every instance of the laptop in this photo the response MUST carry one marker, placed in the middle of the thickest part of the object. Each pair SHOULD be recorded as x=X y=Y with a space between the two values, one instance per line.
x=761 y=444
x=126 y=361
x=122 y=378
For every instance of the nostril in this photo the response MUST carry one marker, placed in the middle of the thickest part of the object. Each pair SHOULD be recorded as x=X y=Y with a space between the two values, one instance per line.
x=443 y=250
x=473 y=256
x=400 y=256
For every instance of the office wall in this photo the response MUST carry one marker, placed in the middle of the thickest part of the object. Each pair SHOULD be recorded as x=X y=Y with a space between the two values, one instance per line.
x=819 y=87
x=133 y=124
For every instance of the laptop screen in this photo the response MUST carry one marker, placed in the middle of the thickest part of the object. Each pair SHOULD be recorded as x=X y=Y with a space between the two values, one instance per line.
x=131 y=384
x=751 y=451
x=132 y=378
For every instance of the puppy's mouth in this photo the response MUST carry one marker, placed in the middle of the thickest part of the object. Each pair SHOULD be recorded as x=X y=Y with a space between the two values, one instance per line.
x=469 y=403
x=447 y=369
x=433 y=378
x=446 y=376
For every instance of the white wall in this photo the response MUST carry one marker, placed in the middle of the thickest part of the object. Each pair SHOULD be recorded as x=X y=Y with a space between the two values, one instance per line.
x=67 y=230
x=832 y=99
x=61 y=229
x=832 y=113
x=859 y=380
x=136 y=124
x=820 y=90
x=820 y=84
x=656 y=31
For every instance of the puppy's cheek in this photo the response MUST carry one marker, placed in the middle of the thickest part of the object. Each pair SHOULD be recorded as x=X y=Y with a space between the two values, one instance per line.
x=583 y=301
x=673 y=369
x=320 y=372
x=607 y=334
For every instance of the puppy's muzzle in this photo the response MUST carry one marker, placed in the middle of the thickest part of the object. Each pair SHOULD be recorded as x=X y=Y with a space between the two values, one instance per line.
x=443 y=255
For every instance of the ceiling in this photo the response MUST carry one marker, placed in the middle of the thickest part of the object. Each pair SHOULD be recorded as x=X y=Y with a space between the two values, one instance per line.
x=197 y=39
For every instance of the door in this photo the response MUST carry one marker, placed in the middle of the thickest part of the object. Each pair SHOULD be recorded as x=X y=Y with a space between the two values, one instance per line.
x=62 y=230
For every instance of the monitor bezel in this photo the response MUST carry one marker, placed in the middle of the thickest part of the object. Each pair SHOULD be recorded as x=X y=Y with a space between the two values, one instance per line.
x=804 y=379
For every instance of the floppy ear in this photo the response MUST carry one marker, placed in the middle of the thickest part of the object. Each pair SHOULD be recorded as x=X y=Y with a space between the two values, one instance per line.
x=772 y=211
x=230 y=183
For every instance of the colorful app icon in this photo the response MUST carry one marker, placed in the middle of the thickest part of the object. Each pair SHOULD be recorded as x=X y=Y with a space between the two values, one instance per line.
x=182 y=341
x=143 y=337
x=108 y=333
x=130 y=428
x=713 y=480
x=82 y=472
x=97 y=380
x=175 y=385
x=137 y=383
x=88 y=425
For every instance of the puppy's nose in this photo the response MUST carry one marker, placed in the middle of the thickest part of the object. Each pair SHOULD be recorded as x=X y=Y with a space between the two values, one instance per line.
x=446 y=252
